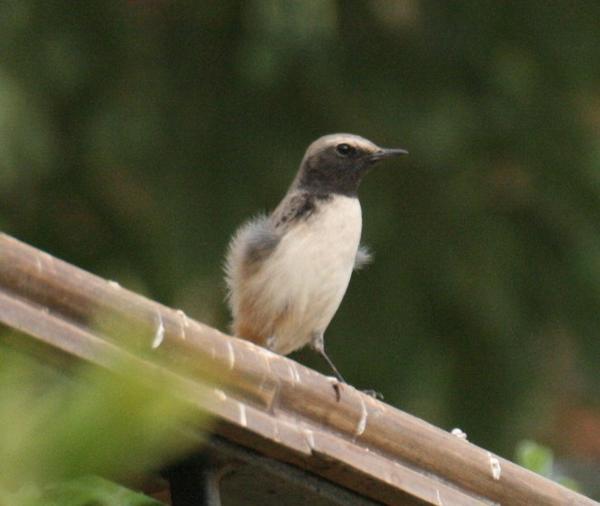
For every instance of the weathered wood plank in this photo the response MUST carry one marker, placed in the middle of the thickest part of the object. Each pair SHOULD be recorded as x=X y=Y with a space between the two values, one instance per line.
x=267 y=402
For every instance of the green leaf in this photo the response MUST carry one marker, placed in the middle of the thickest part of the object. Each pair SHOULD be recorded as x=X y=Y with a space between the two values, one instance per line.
x=56 y=427
x=84 y=491
x=535 y=457
x=93 y=490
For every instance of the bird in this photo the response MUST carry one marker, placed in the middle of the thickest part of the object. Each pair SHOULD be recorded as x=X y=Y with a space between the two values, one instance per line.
x=287 y=272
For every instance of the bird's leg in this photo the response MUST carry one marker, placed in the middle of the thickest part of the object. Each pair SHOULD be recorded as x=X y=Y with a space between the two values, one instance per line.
x=318 y=344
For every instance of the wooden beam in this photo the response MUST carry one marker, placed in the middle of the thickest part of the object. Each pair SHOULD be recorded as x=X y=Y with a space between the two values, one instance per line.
x=269 y=403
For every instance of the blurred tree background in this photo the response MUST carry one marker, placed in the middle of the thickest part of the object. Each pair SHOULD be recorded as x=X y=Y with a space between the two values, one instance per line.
x=135 y=136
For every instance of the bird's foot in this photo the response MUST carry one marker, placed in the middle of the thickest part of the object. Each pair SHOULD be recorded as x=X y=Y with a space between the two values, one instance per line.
x=339 y=385
x=373 y=393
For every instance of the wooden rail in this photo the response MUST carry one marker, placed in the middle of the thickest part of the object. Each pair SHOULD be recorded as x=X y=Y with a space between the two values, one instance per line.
x=270 y=403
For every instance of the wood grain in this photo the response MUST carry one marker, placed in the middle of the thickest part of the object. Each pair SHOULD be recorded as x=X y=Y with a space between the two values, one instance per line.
x=262 y=400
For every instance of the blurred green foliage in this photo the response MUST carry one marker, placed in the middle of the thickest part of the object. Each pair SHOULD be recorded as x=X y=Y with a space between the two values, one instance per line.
x=540 y=459
x=535 y=457
x=85 y=491
x=58 y=428
x=135 y=136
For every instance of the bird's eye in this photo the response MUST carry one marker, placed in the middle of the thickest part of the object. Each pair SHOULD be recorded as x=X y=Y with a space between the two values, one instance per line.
x=345 y=149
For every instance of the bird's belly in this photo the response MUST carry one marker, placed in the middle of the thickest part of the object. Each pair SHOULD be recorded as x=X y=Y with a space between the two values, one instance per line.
x=311 y=270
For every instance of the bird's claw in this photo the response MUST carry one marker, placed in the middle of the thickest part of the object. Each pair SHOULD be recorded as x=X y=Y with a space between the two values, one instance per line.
x=374 y=393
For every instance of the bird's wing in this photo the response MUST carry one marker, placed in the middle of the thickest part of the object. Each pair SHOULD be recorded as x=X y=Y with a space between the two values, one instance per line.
x=251 y=245
x=258 y=238
x=364 y=256
x=294 y=206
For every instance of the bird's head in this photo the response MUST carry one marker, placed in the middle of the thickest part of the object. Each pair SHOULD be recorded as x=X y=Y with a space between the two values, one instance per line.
x=336 y=163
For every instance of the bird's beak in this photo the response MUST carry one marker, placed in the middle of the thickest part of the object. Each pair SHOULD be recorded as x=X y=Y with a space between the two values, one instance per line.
x=384 y=153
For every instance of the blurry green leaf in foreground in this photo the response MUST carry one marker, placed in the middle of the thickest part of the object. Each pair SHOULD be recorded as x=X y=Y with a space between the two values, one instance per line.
x=56 y=426
x=85 y=491
x=540 y=459
x=535 y=457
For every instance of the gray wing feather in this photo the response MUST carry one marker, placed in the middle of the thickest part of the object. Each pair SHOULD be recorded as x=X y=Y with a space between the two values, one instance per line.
x=260 y=239
x=251 y=245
